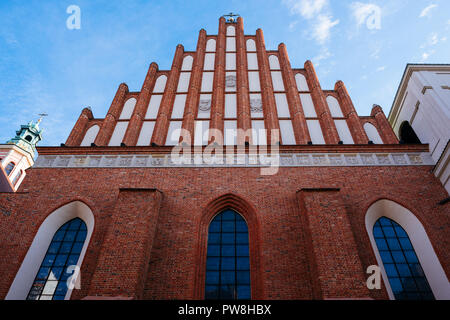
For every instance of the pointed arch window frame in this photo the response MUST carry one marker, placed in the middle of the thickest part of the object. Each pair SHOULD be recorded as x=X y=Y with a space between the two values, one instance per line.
x=54 y=269
x=41 y=240
x=400 y=256
x=229 y=260
x=248 y=213
x=420 y=241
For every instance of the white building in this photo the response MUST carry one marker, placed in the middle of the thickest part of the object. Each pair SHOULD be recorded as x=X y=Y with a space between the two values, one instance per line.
x=421 y=113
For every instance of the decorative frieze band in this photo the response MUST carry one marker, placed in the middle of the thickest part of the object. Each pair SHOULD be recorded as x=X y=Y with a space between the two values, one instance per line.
x=283 y=160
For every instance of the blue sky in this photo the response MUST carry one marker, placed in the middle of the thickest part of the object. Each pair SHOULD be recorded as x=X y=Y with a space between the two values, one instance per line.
x=45 y=67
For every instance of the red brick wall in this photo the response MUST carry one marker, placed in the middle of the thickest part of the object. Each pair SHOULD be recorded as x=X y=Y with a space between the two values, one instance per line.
x=281 y=239
x=129 y=235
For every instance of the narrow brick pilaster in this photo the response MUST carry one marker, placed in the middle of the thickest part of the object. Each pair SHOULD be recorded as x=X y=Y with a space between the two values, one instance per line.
x=137 y=119
x=218 y=97
x=243 y=97
x=125 y=254
x=348 y=109
x=165 y=111
x=109 y=123
x=268 y=98
x=337 y=271
x=192 y=100
x=295 y=104
x=79 y=130
x=384 y=128
x=330 y=133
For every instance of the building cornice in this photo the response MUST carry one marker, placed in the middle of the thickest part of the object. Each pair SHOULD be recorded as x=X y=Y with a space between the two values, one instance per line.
x=361 y=148
x=102 y=161
x=409 y=70
x=26 y=153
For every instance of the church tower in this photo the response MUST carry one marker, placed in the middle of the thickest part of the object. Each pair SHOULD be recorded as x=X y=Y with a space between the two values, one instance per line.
x=17 y=155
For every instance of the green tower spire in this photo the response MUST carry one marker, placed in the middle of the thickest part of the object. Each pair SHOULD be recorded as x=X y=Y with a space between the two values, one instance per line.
x=28 y=136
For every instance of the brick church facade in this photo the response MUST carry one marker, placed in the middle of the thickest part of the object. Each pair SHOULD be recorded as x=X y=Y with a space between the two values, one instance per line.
x=346 y=195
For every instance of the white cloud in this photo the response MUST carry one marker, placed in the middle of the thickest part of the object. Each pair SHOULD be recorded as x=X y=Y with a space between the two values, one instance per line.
x=308 y=9
x=433 y=40
x=292 y=25
x=426 y=55
x=376 y=53
x=361 y=11
x=376 y=47
x=318 y=13
x=381 y=69
x=322 y=28
x=427 y=11
x=323 y=55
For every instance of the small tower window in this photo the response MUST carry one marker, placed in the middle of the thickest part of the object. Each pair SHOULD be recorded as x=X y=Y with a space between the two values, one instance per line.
x=407 y=134
x=17 y=177
x=29 y=138
x=9 y=168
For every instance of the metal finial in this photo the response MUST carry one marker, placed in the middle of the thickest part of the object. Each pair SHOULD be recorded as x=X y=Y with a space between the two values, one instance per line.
x=42 y=115
x=231 y=17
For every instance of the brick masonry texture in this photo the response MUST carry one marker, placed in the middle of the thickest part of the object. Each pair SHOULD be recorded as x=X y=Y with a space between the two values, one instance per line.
x=305 y=244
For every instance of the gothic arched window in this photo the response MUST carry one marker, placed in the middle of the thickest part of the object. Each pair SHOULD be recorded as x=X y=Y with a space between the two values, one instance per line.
x=228 y=260
x=9 y=168
x=64 y=250
x=406 y=276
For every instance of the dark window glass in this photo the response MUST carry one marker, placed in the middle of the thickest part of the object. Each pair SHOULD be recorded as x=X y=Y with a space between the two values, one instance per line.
x=403 y=269
x=228 y=262
x=9 y=168
x=214 y=238
x=228 y=238
x=398 y=256
x=64 y=251
x=405 y=243
x=54 y=247
x=377 y=232
x=407 y=134
x=213 y=264
x=386 y=256
x=381 y=243
x=17 y=177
